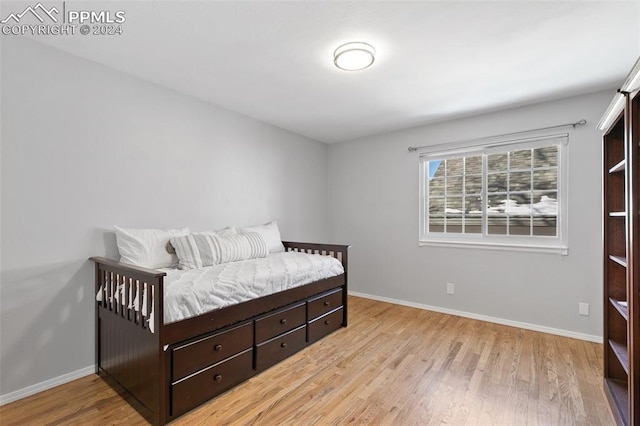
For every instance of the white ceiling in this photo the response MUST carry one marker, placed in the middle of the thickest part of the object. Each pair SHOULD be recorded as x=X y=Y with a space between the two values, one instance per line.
x=436 y=60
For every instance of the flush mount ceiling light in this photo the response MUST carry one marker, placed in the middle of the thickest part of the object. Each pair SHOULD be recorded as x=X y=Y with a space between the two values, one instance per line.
x=354 y=56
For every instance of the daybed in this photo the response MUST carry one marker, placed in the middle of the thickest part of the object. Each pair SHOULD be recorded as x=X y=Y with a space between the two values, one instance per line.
x=170 y=368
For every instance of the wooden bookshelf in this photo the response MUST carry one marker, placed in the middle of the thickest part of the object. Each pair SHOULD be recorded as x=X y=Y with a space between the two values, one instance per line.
x=621 y=260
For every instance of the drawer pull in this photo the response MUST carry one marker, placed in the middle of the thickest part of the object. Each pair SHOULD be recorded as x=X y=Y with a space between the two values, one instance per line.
x=327 y=322
x=217 y=347
x=217 y=377
x=283 y=321
x=327 y=303
x=283 y=345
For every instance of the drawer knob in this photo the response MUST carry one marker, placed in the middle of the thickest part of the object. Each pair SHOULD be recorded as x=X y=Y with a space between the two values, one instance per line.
x=327 y=303
x=217 y=347
x=283 y=345
x=283 y=321
x=327 y=322
x=217 y=377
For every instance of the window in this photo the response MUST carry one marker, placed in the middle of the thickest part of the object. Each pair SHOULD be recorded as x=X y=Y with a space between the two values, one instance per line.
x=508 y=194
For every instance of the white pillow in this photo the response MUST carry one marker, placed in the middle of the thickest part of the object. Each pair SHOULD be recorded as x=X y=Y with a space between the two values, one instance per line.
x=147 y=247
x=229 y=230
x=235 y=247
x=270 y=233
x=208 y=249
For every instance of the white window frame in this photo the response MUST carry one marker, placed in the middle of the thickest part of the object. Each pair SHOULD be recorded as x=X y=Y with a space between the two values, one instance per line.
x=544 y=244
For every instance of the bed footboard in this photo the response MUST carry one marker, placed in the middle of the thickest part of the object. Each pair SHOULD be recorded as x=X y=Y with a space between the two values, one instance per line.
x=340 y=252
x=129 y=315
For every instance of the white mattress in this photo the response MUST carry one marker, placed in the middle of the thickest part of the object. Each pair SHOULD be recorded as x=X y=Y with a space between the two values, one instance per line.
x=188 y=293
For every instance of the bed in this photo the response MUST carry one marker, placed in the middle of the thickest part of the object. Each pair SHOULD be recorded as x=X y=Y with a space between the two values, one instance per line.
x=172 y=355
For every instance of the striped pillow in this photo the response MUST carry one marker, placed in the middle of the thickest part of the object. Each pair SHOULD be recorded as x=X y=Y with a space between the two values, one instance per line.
x=207 y=249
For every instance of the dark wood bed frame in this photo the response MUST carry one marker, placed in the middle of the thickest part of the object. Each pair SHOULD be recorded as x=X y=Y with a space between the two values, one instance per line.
x=183 y=364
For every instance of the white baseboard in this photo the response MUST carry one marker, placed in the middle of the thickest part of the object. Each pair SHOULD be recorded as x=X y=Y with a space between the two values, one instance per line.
x=47 y=384
x=526 y=326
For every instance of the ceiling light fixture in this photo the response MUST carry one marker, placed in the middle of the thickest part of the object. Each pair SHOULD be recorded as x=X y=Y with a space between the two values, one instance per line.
x=354 y=56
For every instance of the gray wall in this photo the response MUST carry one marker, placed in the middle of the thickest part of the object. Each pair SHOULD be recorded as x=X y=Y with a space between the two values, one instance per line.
x=373 y=184
x=85 y=148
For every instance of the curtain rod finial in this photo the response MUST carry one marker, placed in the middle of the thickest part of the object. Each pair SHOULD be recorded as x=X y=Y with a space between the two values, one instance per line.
x=412 y=149
x=579 y=123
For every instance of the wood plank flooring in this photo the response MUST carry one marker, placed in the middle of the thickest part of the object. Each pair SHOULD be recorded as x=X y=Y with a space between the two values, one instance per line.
x=392 y=365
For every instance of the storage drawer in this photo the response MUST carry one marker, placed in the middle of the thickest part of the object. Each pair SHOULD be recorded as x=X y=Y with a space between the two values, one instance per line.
x=324 y=303
x=194 y=356
x=269 y=353
x=322 y=326
x=279 y=322
x=193 y=390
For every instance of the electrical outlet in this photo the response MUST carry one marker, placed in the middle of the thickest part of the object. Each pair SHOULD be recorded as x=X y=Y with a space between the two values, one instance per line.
x=583 y=309
x=450 y=289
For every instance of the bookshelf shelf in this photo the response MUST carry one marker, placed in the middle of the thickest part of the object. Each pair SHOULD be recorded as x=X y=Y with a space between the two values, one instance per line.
x=620 y=167
x=620 y=306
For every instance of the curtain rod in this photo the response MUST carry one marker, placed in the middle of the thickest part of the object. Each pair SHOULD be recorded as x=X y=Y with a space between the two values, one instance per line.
x=574 y=125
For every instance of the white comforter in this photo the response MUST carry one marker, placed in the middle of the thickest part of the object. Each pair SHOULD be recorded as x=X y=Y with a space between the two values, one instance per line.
x=188 y=293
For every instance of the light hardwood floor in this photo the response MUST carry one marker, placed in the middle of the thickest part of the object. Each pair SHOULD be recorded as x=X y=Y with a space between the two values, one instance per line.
x=392 y=365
